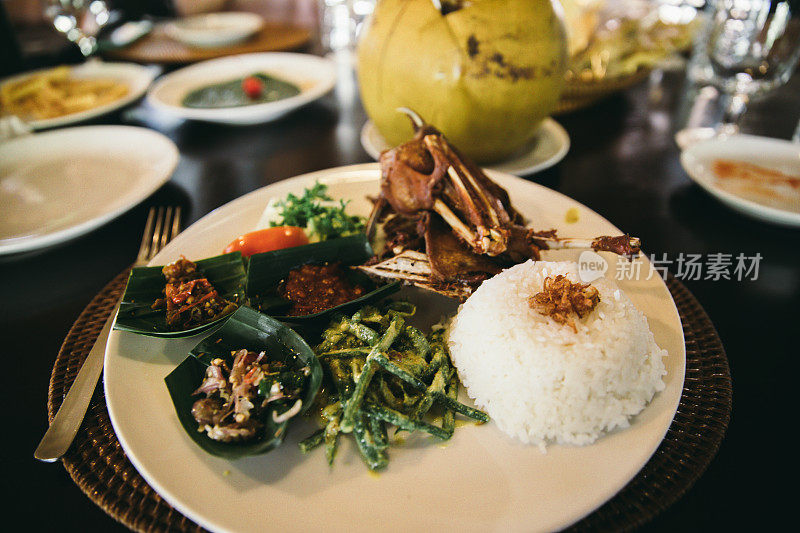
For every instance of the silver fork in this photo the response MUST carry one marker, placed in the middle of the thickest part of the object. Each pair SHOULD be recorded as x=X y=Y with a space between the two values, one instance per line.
x=162 y=225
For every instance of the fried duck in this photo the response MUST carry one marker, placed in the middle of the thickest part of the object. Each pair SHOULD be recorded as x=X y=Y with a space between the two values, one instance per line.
x=448 y=226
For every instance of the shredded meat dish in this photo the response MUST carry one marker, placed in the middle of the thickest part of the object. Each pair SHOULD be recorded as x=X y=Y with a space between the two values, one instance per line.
x=237 y=397
x=561 y=299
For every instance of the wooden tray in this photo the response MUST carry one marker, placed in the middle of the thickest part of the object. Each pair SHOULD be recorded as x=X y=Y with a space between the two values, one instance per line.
x=158 y=47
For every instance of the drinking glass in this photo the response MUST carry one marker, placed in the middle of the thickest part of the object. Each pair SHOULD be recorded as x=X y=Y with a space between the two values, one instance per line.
x=748 y=48
x=79 y=20
x=341 y=21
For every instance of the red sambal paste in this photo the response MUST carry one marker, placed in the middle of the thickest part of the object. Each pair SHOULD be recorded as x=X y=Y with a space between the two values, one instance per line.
x=315 y=288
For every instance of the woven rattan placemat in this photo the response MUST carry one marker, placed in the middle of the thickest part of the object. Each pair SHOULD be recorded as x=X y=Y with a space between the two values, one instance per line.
x=98 y=464
x=158 y=47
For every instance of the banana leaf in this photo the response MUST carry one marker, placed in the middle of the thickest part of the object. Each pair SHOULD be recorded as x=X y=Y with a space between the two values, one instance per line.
x=251 y=330
x=266 y=271
x=146 y=284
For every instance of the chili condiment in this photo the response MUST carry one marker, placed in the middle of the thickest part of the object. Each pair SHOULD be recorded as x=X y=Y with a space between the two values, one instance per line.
x=189 y=298
x=315 y=288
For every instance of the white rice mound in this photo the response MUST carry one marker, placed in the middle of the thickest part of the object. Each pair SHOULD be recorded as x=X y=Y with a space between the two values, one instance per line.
x=540 y=381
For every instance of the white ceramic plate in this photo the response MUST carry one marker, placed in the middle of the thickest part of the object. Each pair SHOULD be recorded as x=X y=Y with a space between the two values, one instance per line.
x=547 y=148
x=136 y=77
x=777 y=204
x=212 y=30
x=58 y=185
x=479 y=481
x=314 y=75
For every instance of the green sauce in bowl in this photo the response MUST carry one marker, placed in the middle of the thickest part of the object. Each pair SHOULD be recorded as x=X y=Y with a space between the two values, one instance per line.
x=232 y=93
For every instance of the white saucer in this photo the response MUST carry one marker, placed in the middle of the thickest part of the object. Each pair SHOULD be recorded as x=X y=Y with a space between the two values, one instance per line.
x=784 y=156
x=57 y=185
x=314 y=75
x=213 y=30
x=547 y=148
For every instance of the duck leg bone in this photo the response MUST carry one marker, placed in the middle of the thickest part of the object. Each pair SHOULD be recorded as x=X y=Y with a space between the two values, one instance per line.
x=624 y=245
x=453 y=221
x=485 y=214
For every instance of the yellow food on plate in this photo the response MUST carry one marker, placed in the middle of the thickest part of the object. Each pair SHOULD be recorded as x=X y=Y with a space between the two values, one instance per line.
x=615 y=39
x=580 y=21
x=56 y=93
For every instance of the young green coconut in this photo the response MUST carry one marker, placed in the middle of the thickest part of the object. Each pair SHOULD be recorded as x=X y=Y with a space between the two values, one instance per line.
x=486 y=72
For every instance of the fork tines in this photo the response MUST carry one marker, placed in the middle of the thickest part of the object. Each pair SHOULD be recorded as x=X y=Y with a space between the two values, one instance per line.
x=163 y=224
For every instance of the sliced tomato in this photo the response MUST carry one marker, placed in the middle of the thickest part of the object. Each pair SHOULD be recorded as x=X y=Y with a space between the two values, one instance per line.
x=252 y=87
x=267 y=240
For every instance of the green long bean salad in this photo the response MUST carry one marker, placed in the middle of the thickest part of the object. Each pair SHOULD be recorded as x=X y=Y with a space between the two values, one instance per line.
x=382 y=374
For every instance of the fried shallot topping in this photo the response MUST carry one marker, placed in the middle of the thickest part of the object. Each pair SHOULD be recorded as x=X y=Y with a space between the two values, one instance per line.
x=560 y=299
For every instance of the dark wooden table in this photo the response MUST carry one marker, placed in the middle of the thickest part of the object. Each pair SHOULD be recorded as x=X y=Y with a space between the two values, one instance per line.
x=622 y=163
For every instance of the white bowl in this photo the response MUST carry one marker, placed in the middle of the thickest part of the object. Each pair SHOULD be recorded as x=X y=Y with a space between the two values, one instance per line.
x=213 y=30
x=314 y=75
x=776 y=154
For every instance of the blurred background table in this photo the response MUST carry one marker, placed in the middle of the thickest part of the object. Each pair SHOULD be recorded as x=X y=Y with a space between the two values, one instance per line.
x=623 y=163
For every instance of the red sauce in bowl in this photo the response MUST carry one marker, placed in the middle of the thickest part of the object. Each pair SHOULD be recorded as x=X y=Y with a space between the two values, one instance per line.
x=315 y=288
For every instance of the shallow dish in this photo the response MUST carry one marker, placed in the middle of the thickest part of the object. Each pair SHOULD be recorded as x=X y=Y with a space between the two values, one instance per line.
x=250 y=330
x=57 y=185
x=775 y=154
x=547 y=148
x=226 y=273
x=212 y=30
x=265 y=272
x=136 y=77
x=315 y=76
x=481 y=480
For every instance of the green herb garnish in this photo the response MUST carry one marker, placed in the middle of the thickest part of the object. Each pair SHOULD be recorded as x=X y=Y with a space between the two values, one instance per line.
x=313 y=212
